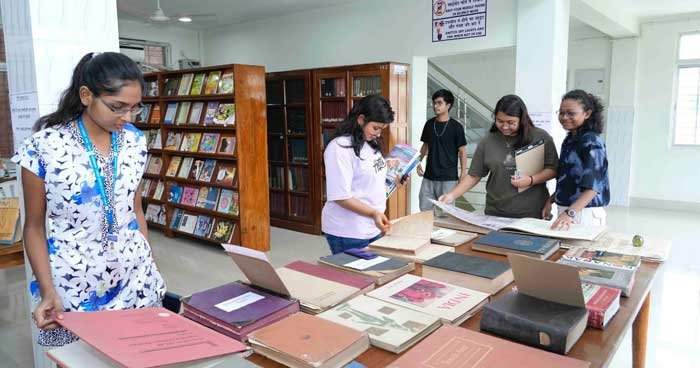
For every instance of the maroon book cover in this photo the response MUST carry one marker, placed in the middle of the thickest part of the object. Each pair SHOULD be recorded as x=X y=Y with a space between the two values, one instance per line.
x=327 y=273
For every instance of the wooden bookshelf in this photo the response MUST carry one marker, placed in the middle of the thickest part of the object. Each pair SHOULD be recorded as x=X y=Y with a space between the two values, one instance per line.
x=330 y=94
x=12 y=255
x=290 y=148
x=236 y=167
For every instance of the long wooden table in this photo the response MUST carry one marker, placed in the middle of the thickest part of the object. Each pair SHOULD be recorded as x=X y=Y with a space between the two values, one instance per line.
x=596 y=346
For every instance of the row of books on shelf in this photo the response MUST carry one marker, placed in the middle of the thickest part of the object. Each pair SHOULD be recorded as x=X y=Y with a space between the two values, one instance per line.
x=297 y=178
x=189 y=113
x=216 y=229
x=152 y=188
x=296 y=150
x=277 y=203
x=334 y=87
x=223 y=144
x=191 y=84
x=225 y=201
x=333 y=111
x=208 y=171
x=364 y=86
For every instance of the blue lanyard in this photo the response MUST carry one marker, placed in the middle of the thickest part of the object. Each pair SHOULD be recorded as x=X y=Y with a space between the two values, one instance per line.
x=99 y=178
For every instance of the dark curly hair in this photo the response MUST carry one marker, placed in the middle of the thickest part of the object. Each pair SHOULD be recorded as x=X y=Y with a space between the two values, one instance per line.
x=591 y=103
x=374 y=108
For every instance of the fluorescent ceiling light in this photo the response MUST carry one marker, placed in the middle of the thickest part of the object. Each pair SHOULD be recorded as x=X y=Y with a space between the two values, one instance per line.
x=185 y=19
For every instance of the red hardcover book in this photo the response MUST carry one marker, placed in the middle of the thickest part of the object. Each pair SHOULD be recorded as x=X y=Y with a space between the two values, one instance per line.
x=148 y=337
x=326 y=273
x=602 y=303
x=450 y=347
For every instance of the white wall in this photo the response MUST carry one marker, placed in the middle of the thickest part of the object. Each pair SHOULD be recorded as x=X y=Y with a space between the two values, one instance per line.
x=359 y=32
x=589 y=53
x=659 y=170
x=489 y=74
x=181 y=40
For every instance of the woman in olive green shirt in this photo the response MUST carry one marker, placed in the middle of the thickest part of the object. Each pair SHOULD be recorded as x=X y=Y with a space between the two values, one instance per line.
x=495 y=156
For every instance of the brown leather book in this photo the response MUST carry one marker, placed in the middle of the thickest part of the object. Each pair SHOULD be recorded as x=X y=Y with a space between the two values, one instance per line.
x=303 y=340
x=451 y=347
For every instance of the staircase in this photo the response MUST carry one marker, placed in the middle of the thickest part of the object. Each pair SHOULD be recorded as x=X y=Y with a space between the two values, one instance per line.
x=475 y=116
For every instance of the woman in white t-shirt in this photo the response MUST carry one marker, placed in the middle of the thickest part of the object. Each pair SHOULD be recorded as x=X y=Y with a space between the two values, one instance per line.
x=353 y=215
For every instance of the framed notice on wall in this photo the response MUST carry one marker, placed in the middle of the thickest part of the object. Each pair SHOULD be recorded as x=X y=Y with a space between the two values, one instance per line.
x=457 y=19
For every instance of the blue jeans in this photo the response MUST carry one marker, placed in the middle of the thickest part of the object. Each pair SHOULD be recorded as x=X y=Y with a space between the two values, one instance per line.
x=338 y=243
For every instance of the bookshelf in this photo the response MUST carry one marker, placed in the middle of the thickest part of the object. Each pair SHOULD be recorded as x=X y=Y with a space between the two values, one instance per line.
x=206 y=153
x=290 y=146
x=330 y=94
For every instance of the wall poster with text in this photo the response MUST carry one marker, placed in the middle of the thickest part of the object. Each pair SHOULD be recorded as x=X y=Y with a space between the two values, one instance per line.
x=457 y=19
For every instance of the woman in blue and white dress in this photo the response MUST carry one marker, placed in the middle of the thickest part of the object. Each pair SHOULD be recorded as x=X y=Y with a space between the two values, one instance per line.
x=81 y=170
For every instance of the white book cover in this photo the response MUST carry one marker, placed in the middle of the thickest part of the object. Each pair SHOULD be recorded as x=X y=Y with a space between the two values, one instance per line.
x=449 y=302
x=389 y=326
x=188 y=223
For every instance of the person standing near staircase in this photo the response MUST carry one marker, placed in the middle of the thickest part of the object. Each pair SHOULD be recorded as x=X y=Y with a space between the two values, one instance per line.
x=445 y=145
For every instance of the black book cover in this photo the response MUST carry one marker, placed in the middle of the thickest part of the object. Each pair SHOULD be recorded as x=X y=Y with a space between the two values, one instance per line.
x=341 y=259
x=532 y=321
x=470 y=265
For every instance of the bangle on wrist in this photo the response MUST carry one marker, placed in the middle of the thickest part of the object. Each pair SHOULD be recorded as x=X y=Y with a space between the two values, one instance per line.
x=532 y=181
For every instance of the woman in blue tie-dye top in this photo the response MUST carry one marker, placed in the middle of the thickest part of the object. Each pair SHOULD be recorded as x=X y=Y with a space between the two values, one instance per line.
x=583 y=187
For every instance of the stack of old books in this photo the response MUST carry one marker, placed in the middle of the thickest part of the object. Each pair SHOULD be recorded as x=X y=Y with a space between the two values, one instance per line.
x=380 y=269
x=476 y=273
x=409 y=239
x=306 y=341
x=236 y=309
x=604 y=268
x=452 y=304
x=389 y=326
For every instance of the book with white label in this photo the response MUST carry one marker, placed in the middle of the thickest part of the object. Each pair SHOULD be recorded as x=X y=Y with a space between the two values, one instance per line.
x=452 y=304
x=236 y=309
x=381 y=269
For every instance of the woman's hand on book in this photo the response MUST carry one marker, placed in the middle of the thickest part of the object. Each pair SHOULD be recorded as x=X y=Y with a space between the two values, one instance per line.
x=47 y=311
x=381 y=221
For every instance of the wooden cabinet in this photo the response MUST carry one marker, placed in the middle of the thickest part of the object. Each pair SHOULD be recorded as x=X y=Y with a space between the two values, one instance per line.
x=331 y=93
x=206 y=176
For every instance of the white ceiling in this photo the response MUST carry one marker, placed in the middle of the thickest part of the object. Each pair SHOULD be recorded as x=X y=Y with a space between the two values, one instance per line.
x=219 y=12
x=226 y=12
x=646 y=9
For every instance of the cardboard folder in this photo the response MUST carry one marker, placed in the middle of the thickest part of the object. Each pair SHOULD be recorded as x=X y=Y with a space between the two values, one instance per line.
x=529 y=160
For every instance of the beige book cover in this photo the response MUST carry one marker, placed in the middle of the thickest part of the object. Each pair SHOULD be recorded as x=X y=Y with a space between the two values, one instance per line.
x=408 y=234
x=428 y=252
x=313 y=292
x=451 y=237
x=303 y=340
x=452 y=304
x=451 y=222
x=390 y=327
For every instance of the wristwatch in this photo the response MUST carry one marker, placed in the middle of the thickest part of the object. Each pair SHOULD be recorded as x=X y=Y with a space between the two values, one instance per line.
x=571 y=213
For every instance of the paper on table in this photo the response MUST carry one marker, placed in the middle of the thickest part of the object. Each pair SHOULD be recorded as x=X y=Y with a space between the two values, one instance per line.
x=653 y=250
x=362 y=264
x=440 y=233
x=485 y=221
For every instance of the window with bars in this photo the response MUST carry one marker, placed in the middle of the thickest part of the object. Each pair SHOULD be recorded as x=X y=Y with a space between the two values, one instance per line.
x=687 y=114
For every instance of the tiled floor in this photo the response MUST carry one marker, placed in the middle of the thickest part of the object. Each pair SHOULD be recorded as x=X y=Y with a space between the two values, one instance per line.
x=674 y=331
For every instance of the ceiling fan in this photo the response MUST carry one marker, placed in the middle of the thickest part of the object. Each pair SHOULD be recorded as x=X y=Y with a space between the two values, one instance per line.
x=159 y=15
